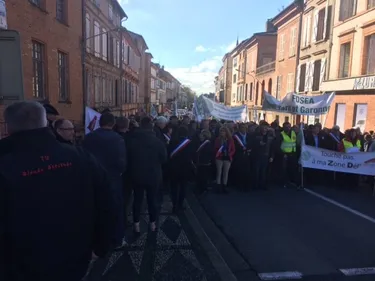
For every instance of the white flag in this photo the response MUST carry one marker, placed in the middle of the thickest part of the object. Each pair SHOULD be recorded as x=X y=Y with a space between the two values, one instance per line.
x=91 y=120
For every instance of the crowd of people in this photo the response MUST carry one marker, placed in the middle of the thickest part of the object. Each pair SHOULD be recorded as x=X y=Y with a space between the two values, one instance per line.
x=62 y=203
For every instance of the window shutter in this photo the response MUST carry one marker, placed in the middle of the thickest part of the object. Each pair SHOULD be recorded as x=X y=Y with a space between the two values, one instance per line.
x=307 y=76
x=316 y=21
x=297 y=78
x=371 y=55
x=322 y=70
x=304 y=32
x=354 y=8
x=326 y=29
x=311 y=75
x=308 y=29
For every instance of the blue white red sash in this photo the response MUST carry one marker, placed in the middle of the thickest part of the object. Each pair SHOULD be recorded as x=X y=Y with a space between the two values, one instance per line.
x=167 y=138
x=180 y=147
x=220 y=151
x=240 y=142
x=202 y=145
x=335 y=138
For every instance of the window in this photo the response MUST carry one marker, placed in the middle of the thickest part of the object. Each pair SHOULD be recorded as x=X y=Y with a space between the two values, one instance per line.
x=39 y=85
x=320 y=32
x=97 y=88
x=235 y=62
x=370 y=54
x=105 y=89
x=63 y=76
x=371 y=4
x=360 y=115
x=110 y=12
x=104 y=44
x=344 y=60
x=61 y=10
x=97 y=3
x=234 y=78
x=117 y=53
x=302 y=78
x=316 y=75
x=290 y=80
x=340 y=115
x=97 y=38
x=293 y=40
x=88 y=33
x=282 y=46
x=251 y=91
x=278 y=86
x=348 y=8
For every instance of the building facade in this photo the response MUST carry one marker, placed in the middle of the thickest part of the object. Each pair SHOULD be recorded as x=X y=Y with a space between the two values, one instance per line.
x=153 y=85
x=314 y=50
x=261 y=51
x=103 y=57
x=227 y=78
x=131 y=67
x=288 y=25
x=52 y=61
x=351 y=69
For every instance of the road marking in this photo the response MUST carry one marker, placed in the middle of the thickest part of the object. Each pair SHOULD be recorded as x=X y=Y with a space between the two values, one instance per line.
x=358 y=271
x=286 y=275
x=355 y=212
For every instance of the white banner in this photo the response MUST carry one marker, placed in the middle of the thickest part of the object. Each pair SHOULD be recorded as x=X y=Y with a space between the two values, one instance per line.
x=362 y=163
x=297 y=104
x=205 y=108
x=3 y=15
x=91 y=120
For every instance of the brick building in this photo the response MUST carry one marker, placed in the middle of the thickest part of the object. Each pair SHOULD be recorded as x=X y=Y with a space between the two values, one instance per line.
x=102 y=39
x=351 y=69
x=288 y=24
x=50 y=33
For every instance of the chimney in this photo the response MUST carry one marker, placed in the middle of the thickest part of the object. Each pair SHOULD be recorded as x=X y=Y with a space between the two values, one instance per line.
x=269 y=26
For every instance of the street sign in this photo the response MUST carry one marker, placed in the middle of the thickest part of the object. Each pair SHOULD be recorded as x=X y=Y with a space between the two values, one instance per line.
x=11 y=76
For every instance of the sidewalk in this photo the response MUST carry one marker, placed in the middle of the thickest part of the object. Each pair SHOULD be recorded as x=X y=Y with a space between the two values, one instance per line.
x=172 y=253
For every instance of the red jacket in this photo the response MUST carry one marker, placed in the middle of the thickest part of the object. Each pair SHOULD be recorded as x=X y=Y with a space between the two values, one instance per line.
x=231 y=148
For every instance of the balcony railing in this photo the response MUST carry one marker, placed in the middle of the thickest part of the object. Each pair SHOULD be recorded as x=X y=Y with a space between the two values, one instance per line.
x=266 y=68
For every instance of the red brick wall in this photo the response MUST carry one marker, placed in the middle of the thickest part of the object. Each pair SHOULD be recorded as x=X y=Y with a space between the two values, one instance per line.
x=34 y=24
x=350 y=101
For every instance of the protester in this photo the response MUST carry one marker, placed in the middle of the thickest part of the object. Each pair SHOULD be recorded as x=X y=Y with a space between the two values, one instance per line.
x=109 y=148
x=55 y=202
x=52 y=114
x=240 y=166
x=263 y=150
x=160 y=123
x=224 y=151
x=180 y=152
x=146 y=154
x=64 y=130
x=289 y=151
x=203 y=160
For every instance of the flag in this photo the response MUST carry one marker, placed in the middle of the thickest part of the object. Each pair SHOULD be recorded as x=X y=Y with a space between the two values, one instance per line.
x=153 y=112
x=91 y=120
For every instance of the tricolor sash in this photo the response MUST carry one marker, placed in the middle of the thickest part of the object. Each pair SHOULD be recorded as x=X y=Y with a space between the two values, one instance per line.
x=180 y=147
x=167 y=138
x=240 y=142
x=220 y=151
x=335 y=138
x=202 y=145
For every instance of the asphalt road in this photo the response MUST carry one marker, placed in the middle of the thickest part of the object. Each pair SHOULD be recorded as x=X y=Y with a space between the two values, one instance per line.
x=298 y=234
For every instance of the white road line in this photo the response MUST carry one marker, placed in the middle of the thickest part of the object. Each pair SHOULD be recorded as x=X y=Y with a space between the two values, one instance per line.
x=355 y=212
x=286 y=275
x=358 y=271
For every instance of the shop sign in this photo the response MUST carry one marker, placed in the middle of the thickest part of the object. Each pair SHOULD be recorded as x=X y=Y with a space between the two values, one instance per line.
x=364 y=83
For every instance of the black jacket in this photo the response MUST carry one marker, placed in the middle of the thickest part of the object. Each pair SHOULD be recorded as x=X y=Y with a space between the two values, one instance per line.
x=204 y=155
x=56 y=209
x=263 y=145
x=146 y=154
x=109 y=148
x=180 y=165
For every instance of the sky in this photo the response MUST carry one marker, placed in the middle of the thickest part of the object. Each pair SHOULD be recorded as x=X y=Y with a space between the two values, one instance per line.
x=190 y=37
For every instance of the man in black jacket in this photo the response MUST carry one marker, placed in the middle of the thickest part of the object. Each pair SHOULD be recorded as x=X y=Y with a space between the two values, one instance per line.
x=146 y=155
x=55 y=205
x=109 y=149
